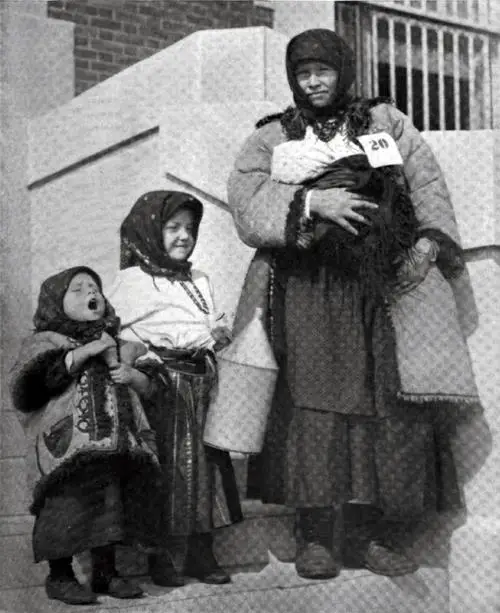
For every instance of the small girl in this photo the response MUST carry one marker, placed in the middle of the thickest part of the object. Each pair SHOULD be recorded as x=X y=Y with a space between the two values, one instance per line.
x=169 y=308
x=91 y=451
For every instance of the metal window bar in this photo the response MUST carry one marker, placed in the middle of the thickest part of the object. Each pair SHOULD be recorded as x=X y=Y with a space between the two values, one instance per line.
x=460 y=11
x=456 y=79
x=409 y=71
x=472 y=83
x=487 y=82
x=375 y=78
x=425 y=76
x=441 y=93
x=455 y=72
x=392 y=59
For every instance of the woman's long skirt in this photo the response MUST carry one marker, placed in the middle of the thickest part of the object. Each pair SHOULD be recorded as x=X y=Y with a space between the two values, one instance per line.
x=336 y=433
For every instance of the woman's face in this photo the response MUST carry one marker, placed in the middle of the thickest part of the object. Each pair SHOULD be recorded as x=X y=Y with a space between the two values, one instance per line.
x=318 y=81
x=178 y=235
x=83 y=300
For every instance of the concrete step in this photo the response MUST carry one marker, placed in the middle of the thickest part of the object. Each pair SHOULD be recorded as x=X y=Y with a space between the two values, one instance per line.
x=275 y=589
x=265 y=527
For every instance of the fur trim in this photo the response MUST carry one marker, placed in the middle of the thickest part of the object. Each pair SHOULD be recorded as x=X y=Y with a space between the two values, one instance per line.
x=299 y=229
x=446 y=399
x=131 y=460
x=29 y=389
x=355 y=115
x=269 y=119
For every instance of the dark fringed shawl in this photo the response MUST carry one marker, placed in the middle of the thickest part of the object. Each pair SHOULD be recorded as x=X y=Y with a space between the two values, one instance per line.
x=374 y=256
x=355 y=115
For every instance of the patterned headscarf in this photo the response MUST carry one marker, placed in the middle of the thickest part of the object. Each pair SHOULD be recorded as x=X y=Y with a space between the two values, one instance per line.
x=142 y=233
x=50 y=315
x=321 y=45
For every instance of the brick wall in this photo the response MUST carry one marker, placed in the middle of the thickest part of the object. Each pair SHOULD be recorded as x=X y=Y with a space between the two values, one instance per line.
x=113 y=34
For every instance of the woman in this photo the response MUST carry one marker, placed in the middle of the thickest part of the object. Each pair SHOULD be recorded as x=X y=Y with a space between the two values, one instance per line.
x=356 y=243
x=168 y=307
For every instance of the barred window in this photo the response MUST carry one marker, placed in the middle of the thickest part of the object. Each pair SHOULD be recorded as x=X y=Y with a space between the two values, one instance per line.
x=434 y=58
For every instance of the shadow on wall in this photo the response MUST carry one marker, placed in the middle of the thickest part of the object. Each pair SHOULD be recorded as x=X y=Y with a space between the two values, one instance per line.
x=472 y=444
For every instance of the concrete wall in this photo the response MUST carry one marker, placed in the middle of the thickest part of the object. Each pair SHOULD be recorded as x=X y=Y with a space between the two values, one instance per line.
x=113 y=34
x=35 y=76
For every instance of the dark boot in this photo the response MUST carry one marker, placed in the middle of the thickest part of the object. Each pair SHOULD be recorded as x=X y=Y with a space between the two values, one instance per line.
x=61 y=584
x=314 y=537
x=360 y=528
x=162 y=570
x=384 y=555
x=105 y=579
x=201 y=562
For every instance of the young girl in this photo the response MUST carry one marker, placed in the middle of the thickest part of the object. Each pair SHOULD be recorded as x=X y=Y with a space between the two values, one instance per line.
x=169 y=308
x=91 y=451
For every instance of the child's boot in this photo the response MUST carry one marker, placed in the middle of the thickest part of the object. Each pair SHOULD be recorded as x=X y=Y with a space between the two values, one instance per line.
x=105 y=579
x=201 y=562
x=162 y=570
x=61 y=584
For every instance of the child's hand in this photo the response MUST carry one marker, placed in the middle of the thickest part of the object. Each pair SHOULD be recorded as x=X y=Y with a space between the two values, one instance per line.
x=222 y=336
x=106 y=342
x=122 y=373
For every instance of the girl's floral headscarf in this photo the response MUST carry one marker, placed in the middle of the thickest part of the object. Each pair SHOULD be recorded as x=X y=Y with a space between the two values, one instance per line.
x=142 y=233
x=50 y=315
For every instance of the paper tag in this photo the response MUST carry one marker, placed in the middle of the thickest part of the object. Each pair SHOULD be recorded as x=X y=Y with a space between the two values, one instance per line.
x=381 y=149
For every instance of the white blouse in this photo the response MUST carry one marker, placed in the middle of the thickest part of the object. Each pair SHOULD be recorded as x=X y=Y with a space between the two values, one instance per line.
x=161 y=312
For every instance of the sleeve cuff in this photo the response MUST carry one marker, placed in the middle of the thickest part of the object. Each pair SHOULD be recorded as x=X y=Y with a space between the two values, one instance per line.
x=299 y=227
x=307 y=204
x=449 y=258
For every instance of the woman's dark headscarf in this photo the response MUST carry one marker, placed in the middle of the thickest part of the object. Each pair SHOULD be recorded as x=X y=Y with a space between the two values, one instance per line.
x=321 y=45
x=50 y=315
x=142 y=233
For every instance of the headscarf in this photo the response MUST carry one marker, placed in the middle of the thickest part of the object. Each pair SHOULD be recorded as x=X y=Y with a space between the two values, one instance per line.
x=321 y=45
x=142 y=233
x=50 y=315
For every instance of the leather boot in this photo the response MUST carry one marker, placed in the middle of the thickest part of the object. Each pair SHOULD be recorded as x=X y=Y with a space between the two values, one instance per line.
x=105 y=579
x=384 y=555
x=61 y=584
x=314 y=537
x=201 y=562
x=162 y=570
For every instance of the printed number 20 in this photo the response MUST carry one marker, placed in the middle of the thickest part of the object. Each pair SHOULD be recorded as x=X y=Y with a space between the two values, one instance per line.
x=381 y=143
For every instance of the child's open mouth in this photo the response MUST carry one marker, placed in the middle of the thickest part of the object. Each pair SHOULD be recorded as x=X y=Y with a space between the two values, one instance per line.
x=93 y=304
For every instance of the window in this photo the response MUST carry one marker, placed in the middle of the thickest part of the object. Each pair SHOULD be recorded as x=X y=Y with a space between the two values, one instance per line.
x=433 y=58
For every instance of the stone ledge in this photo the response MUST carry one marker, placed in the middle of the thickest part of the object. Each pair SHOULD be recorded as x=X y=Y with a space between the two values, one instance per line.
x=276 y=588
x=475 y=566
x=16 y=525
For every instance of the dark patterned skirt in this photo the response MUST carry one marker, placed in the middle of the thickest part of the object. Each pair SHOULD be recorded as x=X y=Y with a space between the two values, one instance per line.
x=198 y=491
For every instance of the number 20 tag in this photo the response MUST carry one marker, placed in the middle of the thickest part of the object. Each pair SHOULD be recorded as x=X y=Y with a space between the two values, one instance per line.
x=381 y=149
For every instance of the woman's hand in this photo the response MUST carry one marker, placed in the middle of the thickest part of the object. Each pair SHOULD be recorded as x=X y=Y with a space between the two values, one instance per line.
x=416 y=266
x=339 y=205
x=222 y=336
